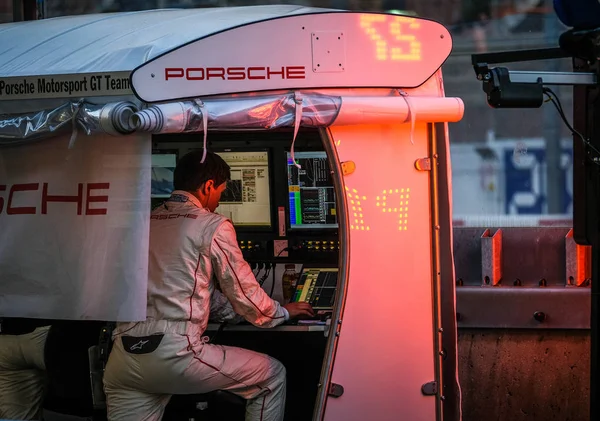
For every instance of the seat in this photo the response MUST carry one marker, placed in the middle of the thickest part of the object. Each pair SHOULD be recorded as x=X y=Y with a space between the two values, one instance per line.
x=219 y=405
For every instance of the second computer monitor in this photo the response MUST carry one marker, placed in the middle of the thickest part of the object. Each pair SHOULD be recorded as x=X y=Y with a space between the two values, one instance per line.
x=311 y=192
x=247 y=200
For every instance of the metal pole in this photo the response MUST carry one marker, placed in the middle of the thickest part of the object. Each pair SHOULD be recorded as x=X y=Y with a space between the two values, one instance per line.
x=591 y=181
x=552 y=125
x=586 y=207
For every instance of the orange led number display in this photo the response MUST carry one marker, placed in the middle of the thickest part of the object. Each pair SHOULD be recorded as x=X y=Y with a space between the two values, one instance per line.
x=399 y=207
x=357 y=220
x=392 y=36
x=392 y=201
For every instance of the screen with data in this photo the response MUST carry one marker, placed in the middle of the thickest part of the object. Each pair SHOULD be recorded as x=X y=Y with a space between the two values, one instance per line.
x=311 y=192
x=247 y=199
x=318 y=287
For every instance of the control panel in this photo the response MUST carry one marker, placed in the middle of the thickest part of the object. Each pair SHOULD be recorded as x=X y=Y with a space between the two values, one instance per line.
x=314 y=248
x=253 y=248
x=320 y=246
x=258 y=247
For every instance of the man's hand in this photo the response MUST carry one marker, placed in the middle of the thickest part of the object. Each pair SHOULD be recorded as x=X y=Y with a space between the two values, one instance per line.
x=299 y=309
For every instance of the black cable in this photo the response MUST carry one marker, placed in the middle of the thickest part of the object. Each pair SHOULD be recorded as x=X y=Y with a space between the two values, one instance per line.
x=262 y=280
x=266 y=275
x=557 y=104
x=273 y=283
x=253 y=267
x=282 y=251
x=259 y=270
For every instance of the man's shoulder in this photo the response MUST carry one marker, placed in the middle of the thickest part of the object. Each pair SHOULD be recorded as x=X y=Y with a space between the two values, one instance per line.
x=186 y=214
x=220 y=220
x=176 y=211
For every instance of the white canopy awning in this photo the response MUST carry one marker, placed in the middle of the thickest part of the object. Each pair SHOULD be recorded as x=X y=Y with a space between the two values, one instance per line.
x=74 y=72
x=116 y=42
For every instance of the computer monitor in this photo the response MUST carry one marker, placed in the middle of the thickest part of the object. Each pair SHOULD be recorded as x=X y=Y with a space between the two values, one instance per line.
x=247 y=200
x=318 y=287
x=163 y=168
x=311 y=192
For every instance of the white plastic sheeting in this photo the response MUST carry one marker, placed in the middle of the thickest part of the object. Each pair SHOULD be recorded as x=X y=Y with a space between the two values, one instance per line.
x=242 y=113
x=112 y=118
x=258 y=112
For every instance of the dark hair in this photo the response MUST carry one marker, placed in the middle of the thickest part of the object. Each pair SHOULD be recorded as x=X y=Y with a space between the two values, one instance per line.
x=190 y=174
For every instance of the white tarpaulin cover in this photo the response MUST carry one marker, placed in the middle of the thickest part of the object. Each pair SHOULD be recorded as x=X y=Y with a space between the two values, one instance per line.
x=113 y=42
x=74 y=236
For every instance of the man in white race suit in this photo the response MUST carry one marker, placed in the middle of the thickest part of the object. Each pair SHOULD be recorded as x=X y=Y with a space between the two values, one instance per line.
x=22 y=368
x=192 y=248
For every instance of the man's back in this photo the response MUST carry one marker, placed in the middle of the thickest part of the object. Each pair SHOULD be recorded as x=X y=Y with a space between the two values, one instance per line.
x=180 y=269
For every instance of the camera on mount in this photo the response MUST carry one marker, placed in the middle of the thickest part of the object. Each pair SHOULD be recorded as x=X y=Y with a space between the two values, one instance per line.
x=503 y=93
x=525 y=89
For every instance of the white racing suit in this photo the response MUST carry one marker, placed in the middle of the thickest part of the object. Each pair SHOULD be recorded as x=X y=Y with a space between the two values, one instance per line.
x=22 y=374
x=165 y=355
